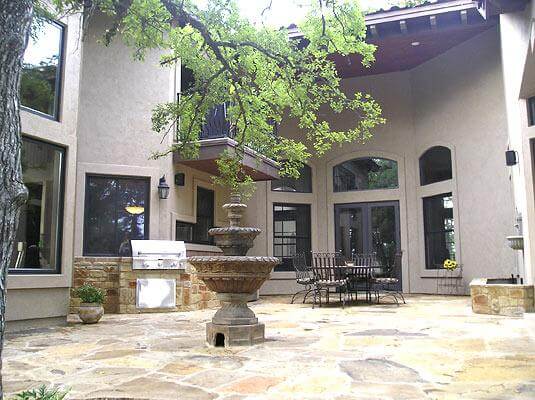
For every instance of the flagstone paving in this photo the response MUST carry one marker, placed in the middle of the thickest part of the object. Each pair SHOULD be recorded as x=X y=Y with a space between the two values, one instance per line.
x=431 y=348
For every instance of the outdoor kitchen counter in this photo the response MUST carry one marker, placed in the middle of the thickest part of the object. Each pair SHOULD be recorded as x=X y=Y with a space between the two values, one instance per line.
x=117 y=278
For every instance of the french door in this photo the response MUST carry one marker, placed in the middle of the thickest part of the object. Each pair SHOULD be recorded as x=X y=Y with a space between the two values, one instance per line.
x=368 y=228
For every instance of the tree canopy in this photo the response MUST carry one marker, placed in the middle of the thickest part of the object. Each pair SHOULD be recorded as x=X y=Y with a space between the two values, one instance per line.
x=261 y=73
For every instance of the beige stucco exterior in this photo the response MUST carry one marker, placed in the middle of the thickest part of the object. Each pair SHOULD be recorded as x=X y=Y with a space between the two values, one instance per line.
x=458 y=100
x=455 y=100
x=519 y=79
x=51 y=292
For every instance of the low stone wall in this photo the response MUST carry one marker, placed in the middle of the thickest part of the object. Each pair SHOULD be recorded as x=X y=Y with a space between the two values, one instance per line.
x=115 y=276
x=501 y=299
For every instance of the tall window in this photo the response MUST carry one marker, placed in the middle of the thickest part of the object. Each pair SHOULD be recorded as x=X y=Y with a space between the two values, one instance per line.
x=38 y=237
x=291 y=232
x=303 y=184
x=116 y=212
x=365 y=174
x=41 y=75
x=198 y=232
x=435 y=165
x=439 y=229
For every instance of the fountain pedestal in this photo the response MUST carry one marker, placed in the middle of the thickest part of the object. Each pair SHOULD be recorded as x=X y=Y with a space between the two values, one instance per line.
x=234 y=324
x=234 y=276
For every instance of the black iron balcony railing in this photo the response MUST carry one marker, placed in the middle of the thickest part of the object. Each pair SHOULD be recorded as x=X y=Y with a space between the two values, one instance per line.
x=218 y=126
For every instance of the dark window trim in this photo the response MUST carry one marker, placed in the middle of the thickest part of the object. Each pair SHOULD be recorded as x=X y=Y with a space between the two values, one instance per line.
x=193 y=225
x=530 y=105
x=428 y=266
x=365 y=190
x=305 y=166
x=421 y=171
x=282 y=267
x=86 y=195
x=59 y=81
x=59 y=243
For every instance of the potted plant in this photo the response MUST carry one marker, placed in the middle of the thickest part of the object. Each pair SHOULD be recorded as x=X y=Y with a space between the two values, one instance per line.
x=92 y=298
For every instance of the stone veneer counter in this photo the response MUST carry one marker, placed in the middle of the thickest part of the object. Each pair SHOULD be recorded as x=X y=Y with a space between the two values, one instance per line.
x=501 y=299
x=117 y=278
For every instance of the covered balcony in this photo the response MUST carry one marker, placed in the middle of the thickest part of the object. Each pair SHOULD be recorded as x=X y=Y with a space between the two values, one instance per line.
x=217 y=136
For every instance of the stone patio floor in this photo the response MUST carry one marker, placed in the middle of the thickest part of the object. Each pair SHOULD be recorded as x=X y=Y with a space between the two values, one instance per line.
x=431 y=348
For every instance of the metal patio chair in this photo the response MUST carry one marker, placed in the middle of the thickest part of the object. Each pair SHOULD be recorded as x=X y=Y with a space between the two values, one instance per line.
x=328 y=274
x=303 y=276
x=361 y=279
x=389 y=285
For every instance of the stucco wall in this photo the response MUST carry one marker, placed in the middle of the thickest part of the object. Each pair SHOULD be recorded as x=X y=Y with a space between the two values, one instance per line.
x=115 y=135
x=51 y=291
x=519 y=80
x=455 y=100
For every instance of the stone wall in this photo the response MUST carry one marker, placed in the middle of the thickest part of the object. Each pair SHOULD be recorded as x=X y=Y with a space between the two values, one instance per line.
x=115 y=276
x=501 y=299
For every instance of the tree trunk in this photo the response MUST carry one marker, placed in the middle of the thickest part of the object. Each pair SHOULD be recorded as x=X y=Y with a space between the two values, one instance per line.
x=15 y=21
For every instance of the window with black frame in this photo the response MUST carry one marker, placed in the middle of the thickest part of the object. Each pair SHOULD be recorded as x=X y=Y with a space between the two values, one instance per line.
x=367 y=173
x=41 y=74
x=303 y=184
x=291 y=233
x=39 y=231
x=116 y=212
x=435 y=165
x=439 y=230
x=198 y=232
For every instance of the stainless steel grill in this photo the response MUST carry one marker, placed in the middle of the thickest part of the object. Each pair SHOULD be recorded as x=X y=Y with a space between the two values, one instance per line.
x=158 y=254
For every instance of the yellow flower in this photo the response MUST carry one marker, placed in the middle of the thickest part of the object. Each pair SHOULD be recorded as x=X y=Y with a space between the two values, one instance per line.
x=450 y=264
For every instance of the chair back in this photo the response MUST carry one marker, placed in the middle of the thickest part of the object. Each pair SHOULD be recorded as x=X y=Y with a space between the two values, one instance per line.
x=395 y=270
x=365 y=260
x=326 y=267
x=302 y=271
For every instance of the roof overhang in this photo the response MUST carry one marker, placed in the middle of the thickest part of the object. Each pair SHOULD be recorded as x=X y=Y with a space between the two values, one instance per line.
x=259 y=167
x=407 y=37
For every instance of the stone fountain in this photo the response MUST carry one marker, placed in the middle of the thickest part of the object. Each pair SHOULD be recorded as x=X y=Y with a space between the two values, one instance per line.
x=234 y=276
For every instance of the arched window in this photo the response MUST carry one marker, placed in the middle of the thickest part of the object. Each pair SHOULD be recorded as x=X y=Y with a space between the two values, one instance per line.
x=435 y=165
x=365 y=174
x=303 y=184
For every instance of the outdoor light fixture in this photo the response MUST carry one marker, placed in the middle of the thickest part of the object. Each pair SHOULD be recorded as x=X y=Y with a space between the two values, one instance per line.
x=511 y=158
x=163 y=188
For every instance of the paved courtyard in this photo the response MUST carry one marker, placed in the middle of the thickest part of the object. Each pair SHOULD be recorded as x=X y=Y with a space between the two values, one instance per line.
x=431 y=348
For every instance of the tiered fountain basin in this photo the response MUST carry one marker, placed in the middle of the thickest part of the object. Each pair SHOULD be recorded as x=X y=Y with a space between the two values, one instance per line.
x=234 y=277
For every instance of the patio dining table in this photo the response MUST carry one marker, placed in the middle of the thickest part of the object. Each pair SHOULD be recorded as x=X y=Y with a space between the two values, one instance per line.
x=360 y=277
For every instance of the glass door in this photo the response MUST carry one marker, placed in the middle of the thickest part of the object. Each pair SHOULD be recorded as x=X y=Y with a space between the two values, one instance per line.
x=368 y=228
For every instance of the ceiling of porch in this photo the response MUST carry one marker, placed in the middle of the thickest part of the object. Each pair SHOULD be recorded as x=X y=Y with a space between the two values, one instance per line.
x=408 y=37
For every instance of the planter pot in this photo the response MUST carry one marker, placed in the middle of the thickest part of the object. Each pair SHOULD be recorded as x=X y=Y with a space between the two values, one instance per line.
x=90 y=313
x=516 y=242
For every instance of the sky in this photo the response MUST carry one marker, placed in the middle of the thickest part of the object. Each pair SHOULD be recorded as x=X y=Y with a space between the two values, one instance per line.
x=285 y=12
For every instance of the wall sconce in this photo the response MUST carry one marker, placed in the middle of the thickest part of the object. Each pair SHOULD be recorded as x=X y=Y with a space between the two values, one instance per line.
x=511 y=158
x=163 y=188
x=180 y=179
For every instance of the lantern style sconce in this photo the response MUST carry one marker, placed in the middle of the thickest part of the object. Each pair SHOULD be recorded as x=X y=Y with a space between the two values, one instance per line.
x=163 y=189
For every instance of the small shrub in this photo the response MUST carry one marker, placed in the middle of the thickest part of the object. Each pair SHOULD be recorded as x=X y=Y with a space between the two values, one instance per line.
x=90 y=294
x=42 y=393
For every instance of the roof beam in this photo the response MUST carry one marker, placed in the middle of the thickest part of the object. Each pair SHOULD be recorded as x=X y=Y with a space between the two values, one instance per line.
x=373 y=31
x=464 y=17
x=433 y=22
x=403 y=27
